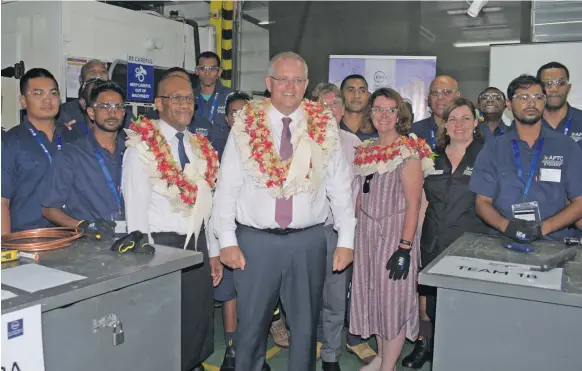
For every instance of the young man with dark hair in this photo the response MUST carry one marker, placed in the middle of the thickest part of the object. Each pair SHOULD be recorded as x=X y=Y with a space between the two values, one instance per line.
x=355 y=120
x=491 y=104
x=234 y=103
x=86 y=176
x=209 y=119
x=528 y=182
x=559 y=115
x=28 y=150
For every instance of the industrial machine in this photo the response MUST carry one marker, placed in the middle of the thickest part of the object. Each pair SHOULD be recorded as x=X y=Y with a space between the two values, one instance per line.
x=60 y=35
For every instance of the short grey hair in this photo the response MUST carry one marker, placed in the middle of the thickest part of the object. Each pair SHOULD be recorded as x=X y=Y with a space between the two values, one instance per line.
x=324 y=88
x=284 y=56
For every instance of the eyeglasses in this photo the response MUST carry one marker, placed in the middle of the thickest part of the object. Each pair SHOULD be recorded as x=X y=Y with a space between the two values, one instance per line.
x=491 y=96
x=208 y=68
x=287 y=80
x=447 y=92
x=523 y=98
x=558 y=83
x=388 y=110
x=108 y=107
x=41 y=93
x=177 y=99
x=332 y=105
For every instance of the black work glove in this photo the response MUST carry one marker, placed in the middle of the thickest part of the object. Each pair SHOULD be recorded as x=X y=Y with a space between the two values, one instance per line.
x=143 y=246
x=399 y=264
x=523 y=230
x=135 y=242
x=100 y=229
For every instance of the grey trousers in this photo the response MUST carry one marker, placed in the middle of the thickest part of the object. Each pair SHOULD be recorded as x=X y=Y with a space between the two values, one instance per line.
x=331 y=320
x=290 y=267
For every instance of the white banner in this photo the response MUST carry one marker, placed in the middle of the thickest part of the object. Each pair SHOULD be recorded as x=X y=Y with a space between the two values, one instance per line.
x=22 y=340
x=489 y=270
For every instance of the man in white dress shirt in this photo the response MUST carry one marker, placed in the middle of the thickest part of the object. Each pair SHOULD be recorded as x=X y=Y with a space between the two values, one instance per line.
x=277 y=245
x=152 y=213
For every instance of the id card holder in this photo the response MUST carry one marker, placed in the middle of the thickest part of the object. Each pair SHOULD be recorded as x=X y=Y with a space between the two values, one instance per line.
x=529 y=211
x=120 y=224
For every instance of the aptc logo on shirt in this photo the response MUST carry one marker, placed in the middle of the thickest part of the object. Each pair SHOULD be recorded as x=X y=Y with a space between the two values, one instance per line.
x=202 y=131
x=576 y=136
x=222 y=110
x=553 y=161
x=468 y=171
x=15 y=328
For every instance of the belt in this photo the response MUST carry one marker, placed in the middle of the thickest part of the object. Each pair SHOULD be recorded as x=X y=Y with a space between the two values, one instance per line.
x=280 y=231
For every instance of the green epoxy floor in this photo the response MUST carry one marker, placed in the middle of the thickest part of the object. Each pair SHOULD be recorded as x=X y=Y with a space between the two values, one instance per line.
x=278 y=361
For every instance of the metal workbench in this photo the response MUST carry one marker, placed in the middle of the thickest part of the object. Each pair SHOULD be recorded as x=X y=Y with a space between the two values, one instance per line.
x=142 y=292
x=483 y=325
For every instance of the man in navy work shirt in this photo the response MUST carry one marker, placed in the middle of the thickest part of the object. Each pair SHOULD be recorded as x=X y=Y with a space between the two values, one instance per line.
x=86 y=175
x=491 y=104
x=209 y=119
x=559 y=115
x=442 y=91
x=528 y=182
x=355 y=120
x=28 y=150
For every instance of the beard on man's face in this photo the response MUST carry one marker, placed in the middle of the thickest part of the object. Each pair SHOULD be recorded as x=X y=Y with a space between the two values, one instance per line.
x=110 y=125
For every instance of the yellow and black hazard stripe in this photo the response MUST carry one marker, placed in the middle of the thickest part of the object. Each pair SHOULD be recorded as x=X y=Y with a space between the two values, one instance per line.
x=226 y=42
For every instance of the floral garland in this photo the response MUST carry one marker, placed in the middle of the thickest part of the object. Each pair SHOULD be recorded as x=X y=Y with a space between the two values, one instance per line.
x=168 y=169
x=254 y=139
x=371 y=157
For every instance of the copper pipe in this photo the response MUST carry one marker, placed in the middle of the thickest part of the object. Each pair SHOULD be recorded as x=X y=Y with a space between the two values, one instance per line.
x=59 y=237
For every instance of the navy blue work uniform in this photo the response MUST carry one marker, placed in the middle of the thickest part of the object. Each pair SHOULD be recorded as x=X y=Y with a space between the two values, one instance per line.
x=210 y=117
x=72 y=111
x=557 y=175
x=571 y=124
x=499 y=131
x=426 y=129
x=77 y=180
x=359 y=133
x=26 y=157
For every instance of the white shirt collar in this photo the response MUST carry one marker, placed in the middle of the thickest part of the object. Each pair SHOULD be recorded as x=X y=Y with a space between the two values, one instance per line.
x=168 y=131
x=277 y=116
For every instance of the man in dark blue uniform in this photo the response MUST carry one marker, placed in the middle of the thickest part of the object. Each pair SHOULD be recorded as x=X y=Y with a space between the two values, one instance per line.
x=86 y=176
x=28 y=150
x=442 y=91
x=491 y=104
x=356 y=121
x=559 y=115
x=528 y=182
x=211 y=95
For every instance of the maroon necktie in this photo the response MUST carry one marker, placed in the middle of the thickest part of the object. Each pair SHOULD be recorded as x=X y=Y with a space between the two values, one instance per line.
x=283 y=207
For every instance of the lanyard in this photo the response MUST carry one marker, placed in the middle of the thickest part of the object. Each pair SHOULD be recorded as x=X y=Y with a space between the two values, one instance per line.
x=567 y=126
x=432 y=139
x=84 y=127
x=499 y=131
x=212 y=108
x=41 y=144
x=108 y=178
x=534 y=164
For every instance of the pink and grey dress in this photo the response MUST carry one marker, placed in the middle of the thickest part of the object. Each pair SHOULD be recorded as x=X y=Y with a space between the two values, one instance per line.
x=379 y=305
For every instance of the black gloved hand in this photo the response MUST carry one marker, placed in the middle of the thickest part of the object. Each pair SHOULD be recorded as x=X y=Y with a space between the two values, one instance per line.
x=143 y=246
x=523 y=230
x=399 y=264
x=127 y=243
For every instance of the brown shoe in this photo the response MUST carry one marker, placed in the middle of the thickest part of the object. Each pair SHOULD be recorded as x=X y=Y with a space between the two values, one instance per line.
x=279 y=333
x=363 y=351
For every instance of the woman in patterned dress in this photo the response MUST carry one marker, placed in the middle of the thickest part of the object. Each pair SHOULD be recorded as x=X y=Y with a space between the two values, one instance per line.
x=386 y=257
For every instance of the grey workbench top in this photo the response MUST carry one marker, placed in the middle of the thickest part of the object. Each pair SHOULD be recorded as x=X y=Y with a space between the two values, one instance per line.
x=490 y=248
x=105 y=271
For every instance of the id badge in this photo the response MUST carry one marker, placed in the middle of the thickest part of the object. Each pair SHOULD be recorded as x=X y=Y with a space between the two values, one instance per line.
x=529 y=211
x=120 y=224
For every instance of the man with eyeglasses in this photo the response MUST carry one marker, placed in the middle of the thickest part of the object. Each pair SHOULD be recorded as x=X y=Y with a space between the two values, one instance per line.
x=151 y=212
x=443 y=89
x=528 y=182
x=271 y=231
x=85 y=176
x=559 y=115
x=28 y=150
x=331 y=320
x=355 y=120
x=491 y=104
x=211 y=95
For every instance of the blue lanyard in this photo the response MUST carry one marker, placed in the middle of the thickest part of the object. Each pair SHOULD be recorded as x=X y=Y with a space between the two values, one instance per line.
x=567 y=126
x=534 y=164
x=41 y=144
x=212 y=108
x=84 y=127
x=432 y=139
x=499 y=131
x=108 y=178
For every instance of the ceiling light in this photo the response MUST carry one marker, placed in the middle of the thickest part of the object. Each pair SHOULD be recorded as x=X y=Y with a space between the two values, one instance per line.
x=490 y=9
x=471 y=44
x=266 y=22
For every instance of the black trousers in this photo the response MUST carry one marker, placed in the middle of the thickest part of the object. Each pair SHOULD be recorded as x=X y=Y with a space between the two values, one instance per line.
x=197 y=301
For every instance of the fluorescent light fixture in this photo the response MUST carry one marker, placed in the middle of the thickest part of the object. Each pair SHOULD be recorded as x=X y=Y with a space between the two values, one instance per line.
x=476 y=7
x=266 y=22
x=490 y=9
x=558 y=22
x=472 y=44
